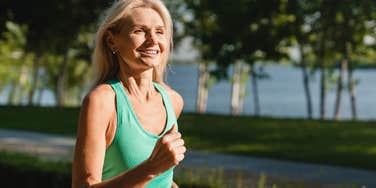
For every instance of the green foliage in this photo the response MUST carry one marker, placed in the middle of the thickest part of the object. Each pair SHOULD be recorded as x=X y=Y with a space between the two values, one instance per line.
x=12 y=45
x=223 y=32
x=79 y=72
x=66 y=20
x=15 y=61
x=17 y=64
x=177 y=10
x=34 y=172
x=46 y=119
x=66 y=33
x=17 y=33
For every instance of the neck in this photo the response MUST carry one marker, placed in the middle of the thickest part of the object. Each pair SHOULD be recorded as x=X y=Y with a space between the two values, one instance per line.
x=139 y=85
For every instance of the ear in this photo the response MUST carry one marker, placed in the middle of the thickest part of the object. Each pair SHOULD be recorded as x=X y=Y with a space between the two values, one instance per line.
x=110 y=40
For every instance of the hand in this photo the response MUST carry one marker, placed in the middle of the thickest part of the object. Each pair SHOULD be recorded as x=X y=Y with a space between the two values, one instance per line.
x=168 y=152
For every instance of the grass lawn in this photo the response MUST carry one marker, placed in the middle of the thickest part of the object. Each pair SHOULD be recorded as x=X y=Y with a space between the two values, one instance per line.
x=344 y=143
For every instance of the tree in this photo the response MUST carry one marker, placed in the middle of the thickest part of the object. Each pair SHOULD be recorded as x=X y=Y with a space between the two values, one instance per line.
x=323 y=45
x=300 y=36
x=202 y=26
x=236 y=33
x=354 y=22
x=54 y=34
x=15 y=61
x=266 y=31
x=348 y=28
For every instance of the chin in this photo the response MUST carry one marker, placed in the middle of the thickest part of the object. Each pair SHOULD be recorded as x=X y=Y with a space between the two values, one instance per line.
x=150 y=63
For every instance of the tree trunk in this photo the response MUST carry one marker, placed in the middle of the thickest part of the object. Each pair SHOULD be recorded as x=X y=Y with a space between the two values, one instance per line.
x=22 y=81
x=352 y=93
x=40 y=96
x=323 y=91
x=307 y=90
x=351 y=83
x=60 y=85
x=202 y=91
x=12 y=92
x=243 y=85
x=18 y=85
x=256 y=99
x=337 y=106
x=322 y=58
x=235 y=103
x=34 y=80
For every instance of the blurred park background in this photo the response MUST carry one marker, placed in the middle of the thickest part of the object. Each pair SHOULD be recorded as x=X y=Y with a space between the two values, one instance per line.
x=283 y=79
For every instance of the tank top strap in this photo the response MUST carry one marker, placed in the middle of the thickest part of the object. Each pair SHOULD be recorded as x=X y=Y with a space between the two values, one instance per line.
x=167 y=102
x=115 y=84
x=120 y=100
x=117 y=87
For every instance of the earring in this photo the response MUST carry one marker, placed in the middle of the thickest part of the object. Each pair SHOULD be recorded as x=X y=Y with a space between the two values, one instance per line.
x=115 y=51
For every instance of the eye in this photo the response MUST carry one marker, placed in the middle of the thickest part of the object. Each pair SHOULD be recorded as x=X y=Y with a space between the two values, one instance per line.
x=161 y=32
x=138 y=31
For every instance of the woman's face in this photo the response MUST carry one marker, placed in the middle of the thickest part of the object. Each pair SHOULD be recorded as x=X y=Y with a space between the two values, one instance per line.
x=142 y=42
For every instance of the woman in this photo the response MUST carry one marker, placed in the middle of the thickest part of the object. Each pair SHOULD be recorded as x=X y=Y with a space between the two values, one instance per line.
x=127 y=134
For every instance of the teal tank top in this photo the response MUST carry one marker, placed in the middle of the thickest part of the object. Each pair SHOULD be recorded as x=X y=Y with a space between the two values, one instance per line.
x=132 y=144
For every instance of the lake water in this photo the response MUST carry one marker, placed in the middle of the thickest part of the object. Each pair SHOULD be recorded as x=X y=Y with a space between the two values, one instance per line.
x=281 y=95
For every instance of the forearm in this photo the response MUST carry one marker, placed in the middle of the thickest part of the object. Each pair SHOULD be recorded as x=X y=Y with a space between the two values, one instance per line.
x=138 y=176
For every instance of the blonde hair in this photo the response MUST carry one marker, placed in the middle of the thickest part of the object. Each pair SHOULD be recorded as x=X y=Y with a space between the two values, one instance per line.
x=106 y=65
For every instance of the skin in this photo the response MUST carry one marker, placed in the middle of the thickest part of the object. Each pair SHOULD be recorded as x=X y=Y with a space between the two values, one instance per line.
x=143 y=32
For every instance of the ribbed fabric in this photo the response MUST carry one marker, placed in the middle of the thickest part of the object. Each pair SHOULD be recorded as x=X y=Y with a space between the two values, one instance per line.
x=132 y=144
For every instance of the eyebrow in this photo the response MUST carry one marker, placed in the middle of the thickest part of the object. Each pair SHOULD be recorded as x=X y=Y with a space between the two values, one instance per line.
x=145 y=26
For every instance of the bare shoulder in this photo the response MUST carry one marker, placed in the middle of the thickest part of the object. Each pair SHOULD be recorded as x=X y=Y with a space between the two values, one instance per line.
x=100 y=95
x=176 y=99
x=100 y=100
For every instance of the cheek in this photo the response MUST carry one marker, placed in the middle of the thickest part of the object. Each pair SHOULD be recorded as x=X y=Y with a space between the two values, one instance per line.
x=164 y=45
x=133 y=41
x=128 y=48
x=136 y=40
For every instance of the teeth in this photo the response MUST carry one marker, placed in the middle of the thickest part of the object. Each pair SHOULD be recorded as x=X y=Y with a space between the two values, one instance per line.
x=151 y=51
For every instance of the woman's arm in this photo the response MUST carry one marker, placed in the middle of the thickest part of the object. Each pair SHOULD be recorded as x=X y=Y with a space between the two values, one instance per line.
x=96 y=113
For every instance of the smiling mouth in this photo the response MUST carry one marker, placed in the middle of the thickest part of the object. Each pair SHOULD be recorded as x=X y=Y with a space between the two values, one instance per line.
x=149 y=52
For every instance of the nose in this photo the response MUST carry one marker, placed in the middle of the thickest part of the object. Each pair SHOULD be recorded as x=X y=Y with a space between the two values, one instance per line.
x=151 y=38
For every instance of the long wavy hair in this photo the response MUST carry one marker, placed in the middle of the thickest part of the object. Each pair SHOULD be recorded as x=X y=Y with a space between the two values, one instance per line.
x=106 y=65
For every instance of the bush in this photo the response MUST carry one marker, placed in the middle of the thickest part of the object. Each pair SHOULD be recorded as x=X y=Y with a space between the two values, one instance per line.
x=26 y=171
